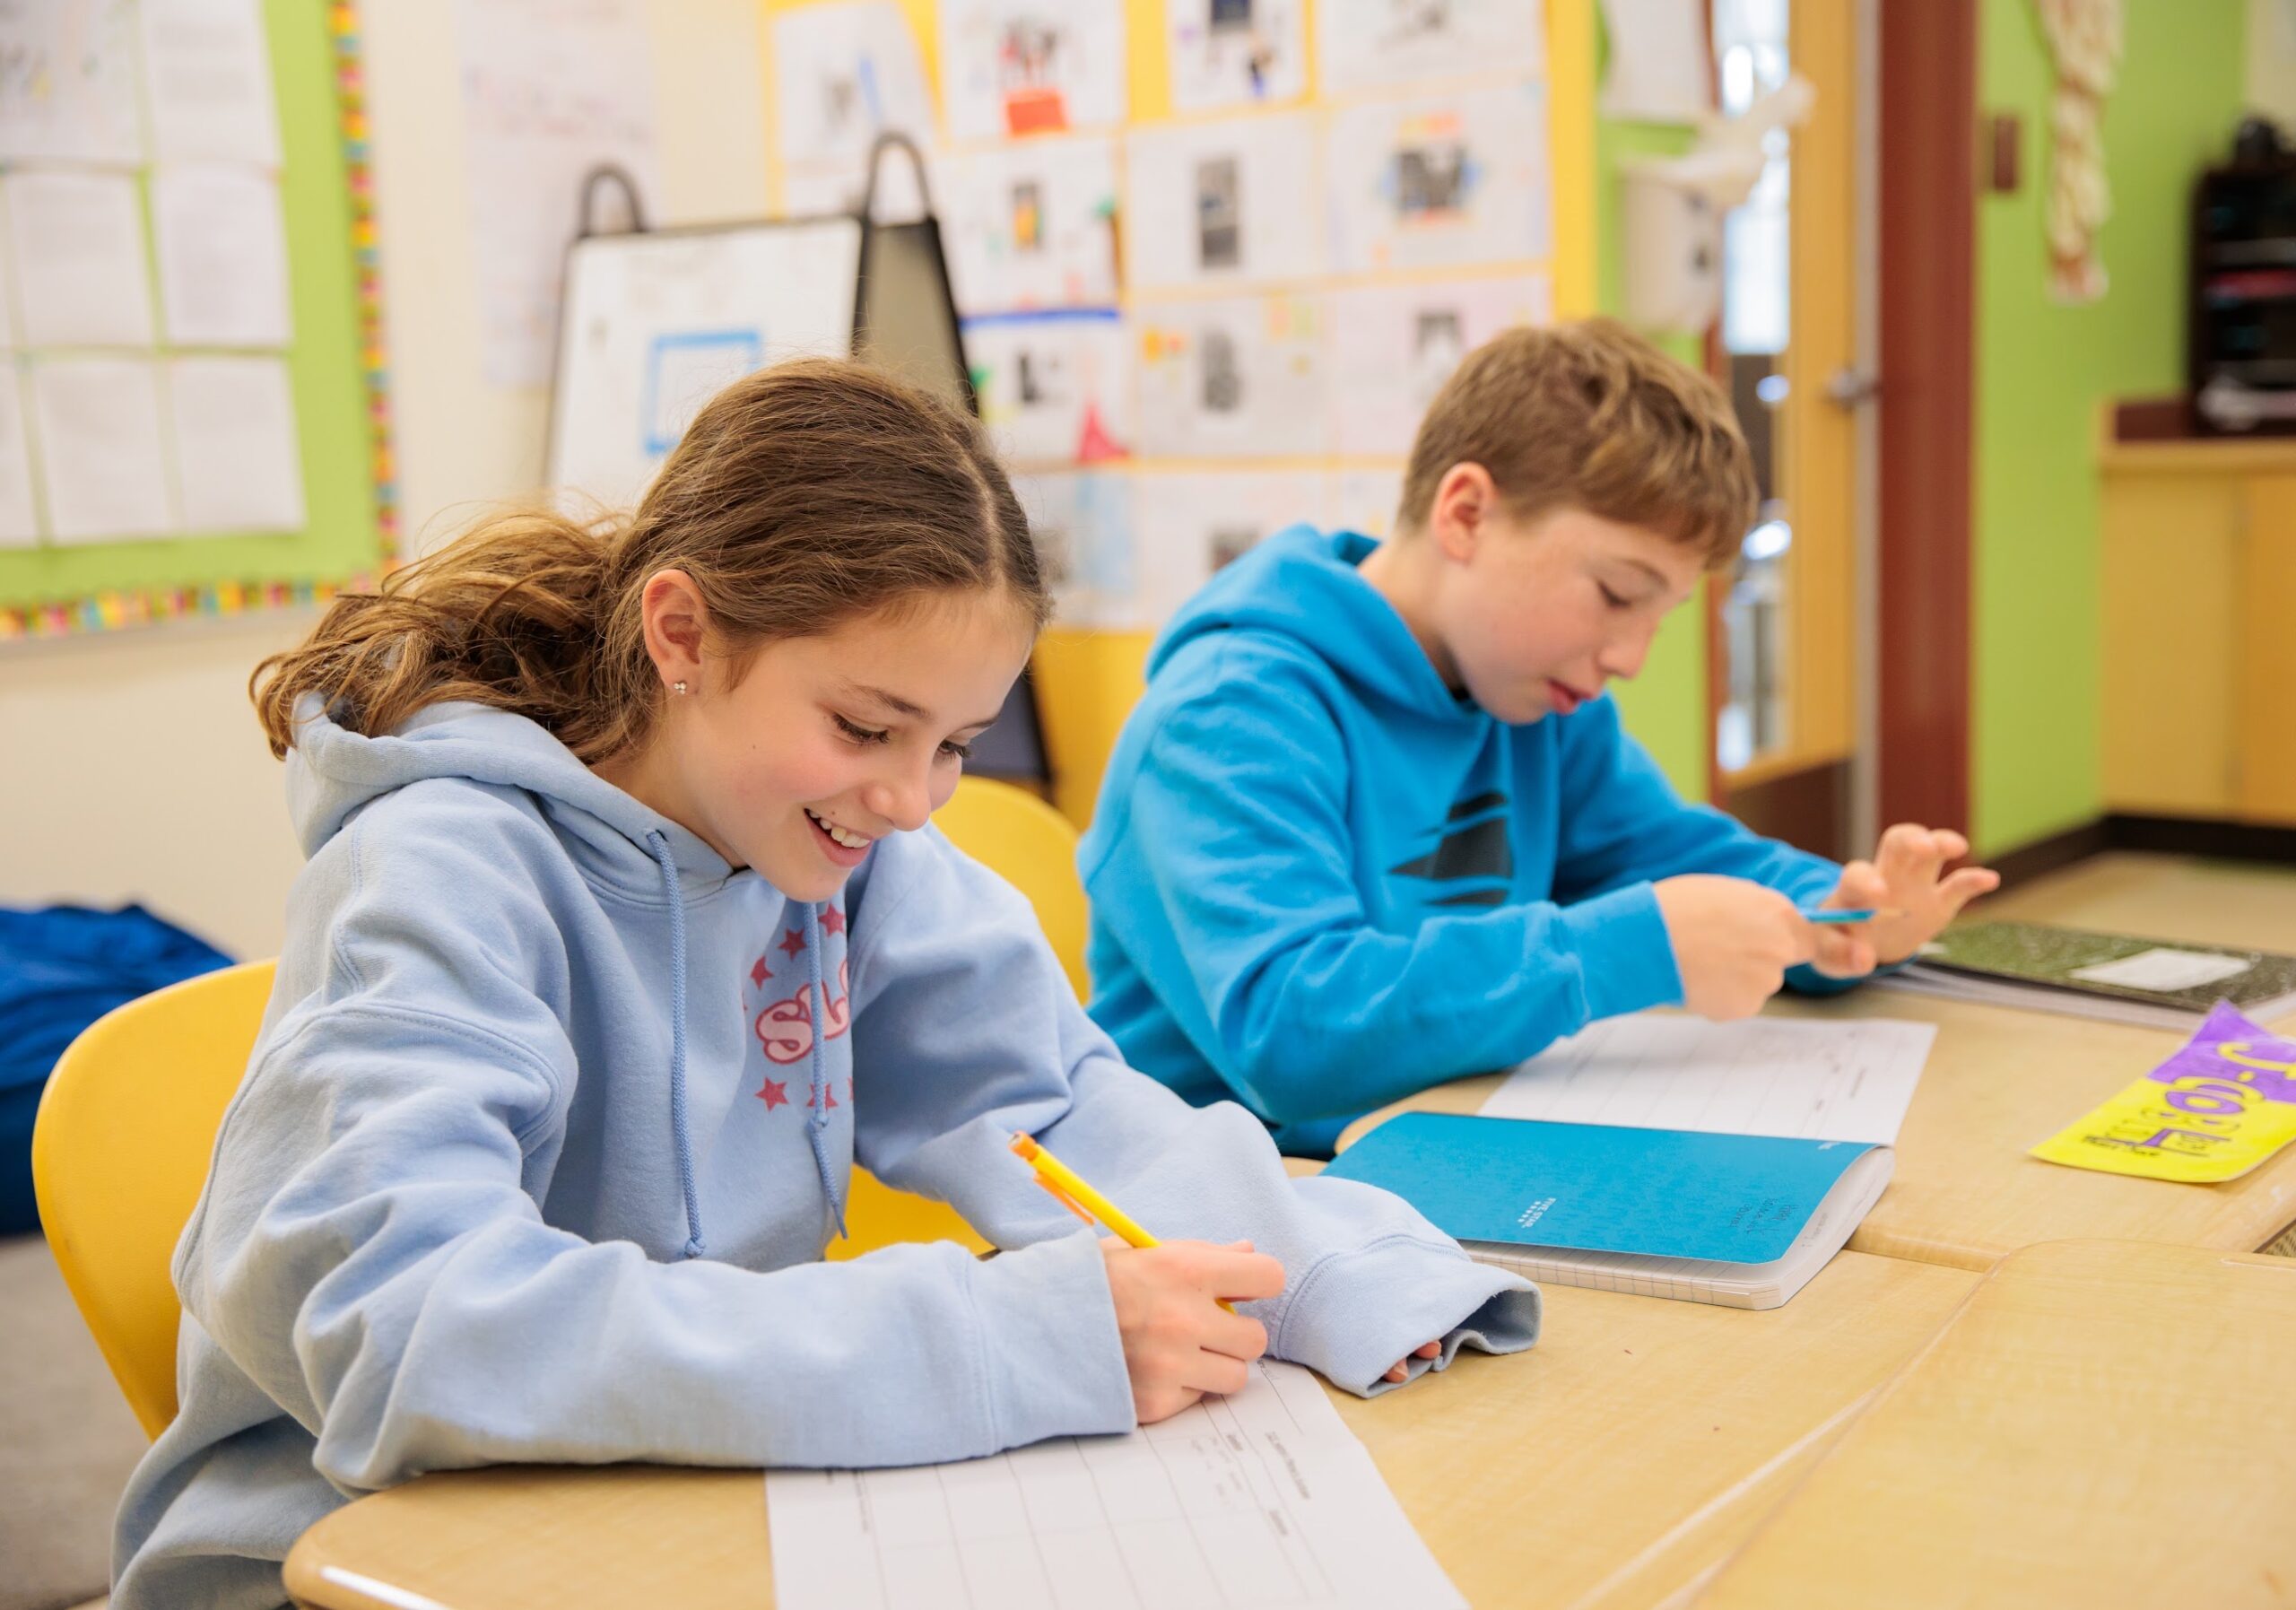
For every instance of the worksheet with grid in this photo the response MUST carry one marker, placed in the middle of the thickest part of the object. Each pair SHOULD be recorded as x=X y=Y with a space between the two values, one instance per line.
x=1848 y=1081
x=1265 y=1499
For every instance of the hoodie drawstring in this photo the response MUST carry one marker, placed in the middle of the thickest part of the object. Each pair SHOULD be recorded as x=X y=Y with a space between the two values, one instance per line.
x=817 y=1008
x=659 y=844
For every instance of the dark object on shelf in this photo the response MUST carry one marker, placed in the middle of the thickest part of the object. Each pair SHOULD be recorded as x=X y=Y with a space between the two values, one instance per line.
x=2241 y=344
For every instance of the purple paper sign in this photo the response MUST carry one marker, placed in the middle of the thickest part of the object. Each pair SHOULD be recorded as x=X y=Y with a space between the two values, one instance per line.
x=2229 y=1046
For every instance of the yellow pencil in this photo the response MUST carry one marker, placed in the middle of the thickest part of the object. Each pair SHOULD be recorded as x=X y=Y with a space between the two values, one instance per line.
x=1080 y=1199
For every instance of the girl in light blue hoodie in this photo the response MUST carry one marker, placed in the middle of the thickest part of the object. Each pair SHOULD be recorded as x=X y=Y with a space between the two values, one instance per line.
x=623 y=937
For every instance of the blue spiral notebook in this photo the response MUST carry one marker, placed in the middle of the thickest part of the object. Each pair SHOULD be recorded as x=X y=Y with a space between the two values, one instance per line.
x=1740 y=1220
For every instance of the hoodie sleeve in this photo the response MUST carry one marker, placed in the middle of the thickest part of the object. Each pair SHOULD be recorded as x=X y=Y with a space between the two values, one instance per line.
x=965 y=1031
x=1252 y=930
x=372 y=1255
x=1624 y=827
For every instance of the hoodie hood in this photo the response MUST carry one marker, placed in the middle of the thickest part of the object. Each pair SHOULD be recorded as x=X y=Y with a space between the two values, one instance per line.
x=333 y=773
x=1303 y=583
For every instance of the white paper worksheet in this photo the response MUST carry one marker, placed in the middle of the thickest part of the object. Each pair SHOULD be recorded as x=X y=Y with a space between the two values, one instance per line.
x=222 y=254
x=78 y=240
x=102 y=450
x=1265 y=1499
x=210 y=72
x=1818 y=1081
x=68 y=81
x=238 y=460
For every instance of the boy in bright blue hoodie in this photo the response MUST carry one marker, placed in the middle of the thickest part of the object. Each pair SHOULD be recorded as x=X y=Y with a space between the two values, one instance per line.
x=622 y=938
x=1375 y=824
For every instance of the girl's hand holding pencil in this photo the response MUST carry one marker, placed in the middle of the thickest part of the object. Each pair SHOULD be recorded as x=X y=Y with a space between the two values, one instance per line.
x=1181 y=1338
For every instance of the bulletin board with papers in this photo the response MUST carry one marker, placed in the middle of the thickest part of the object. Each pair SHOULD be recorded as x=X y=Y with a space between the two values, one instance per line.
x=193 y=414
x=1212 y=257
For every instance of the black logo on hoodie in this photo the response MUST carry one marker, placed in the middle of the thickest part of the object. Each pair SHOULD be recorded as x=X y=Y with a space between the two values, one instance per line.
x=1472 y=849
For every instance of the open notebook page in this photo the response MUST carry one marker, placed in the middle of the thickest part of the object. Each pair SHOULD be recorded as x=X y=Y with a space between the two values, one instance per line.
x=1817 y=1081
x=1263 y=1499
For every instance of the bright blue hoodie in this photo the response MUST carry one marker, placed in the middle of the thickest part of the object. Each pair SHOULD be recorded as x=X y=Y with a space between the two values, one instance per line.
x=1321 y=880
x=550 y=1120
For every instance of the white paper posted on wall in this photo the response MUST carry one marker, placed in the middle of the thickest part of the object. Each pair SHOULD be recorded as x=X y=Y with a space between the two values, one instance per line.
x=1265 y=1499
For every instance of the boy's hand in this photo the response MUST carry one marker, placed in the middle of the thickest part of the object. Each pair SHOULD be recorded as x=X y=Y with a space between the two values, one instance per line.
x=1904 y=873
x=1179 y=1343
x=1733 y=939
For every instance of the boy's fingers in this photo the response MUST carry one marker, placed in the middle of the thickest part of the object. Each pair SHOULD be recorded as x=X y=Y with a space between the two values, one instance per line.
x=1842 y=955
x=1861 y=884
x=1904 y=849
x=1951 y=845
x=1962 y=887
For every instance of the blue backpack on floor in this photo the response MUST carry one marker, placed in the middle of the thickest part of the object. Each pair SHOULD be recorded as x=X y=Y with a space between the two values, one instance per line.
x=60 y=969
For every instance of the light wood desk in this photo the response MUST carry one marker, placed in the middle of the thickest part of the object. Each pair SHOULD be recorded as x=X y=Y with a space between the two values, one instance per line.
x=1626 y=1454
x=1965 y=1192
x=2103 y=1424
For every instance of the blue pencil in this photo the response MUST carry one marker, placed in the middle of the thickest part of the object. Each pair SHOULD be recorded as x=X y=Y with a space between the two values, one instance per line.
x=1832 y=917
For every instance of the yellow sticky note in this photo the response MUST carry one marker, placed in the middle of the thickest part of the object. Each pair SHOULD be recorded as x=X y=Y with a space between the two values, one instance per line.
x=2222 y=1105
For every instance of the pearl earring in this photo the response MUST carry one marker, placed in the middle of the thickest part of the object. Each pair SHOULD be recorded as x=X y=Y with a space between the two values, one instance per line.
x=677 y=687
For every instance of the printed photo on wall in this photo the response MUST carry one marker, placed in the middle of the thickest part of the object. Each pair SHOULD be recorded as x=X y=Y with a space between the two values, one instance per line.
x=1237 y=377
x=1082 y=523
x=1013 y=67
x=1214 y=202
x=1031 y=225
x=842 y=74
x=1392 y=346
x=1231 y=53
x=1052 y=385
x=1441 y=181
x=1192 y=525
x=1363 y=44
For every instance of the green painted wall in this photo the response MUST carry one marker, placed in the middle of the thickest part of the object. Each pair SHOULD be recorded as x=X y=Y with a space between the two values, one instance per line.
x=2042 y=371
x=1666 y=706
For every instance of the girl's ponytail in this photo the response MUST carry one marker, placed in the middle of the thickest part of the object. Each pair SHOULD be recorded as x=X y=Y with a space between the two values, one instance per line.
x=507 y=614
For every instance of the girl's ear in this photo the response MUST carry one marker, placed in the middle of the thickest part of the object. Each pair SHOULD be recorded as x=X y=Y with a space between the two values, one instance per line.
x=677 y=625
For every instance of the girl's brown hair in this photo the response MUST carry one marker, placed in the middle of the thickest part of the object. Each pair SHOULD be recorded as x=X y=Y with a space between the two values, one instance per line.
x=803 y=496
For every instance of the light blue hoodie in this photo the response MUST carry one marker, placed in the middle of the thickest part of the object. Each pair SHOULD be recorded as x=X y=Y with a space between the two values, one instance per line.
x=1321 y=880
x=551 y=1116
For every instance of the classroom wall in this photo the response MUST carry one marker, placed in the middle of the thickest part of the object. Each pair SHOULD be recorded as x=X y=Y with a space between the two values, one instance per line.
x=135 y=770
x=1665 y=707
x=2043 y=369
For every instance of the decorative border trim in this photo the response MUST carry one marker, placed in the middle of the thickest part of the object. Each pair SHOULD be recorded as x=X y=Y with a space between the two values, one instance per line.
x=126 y=607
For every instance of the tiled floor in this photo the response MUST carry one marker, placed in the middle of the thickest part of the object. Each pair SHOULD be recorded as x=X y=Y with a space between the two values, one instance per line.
x=67 y=1440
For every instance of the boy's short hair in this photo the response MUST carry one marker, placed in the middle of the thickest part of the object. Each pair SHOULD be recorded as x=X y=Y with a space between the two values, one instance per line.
x=1589 y=416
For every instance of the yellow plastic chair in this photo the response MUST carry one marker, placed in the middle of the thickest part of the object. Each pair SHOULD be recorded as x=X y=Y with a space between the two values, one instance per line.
x=1032 y=847
x=119 y=1151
